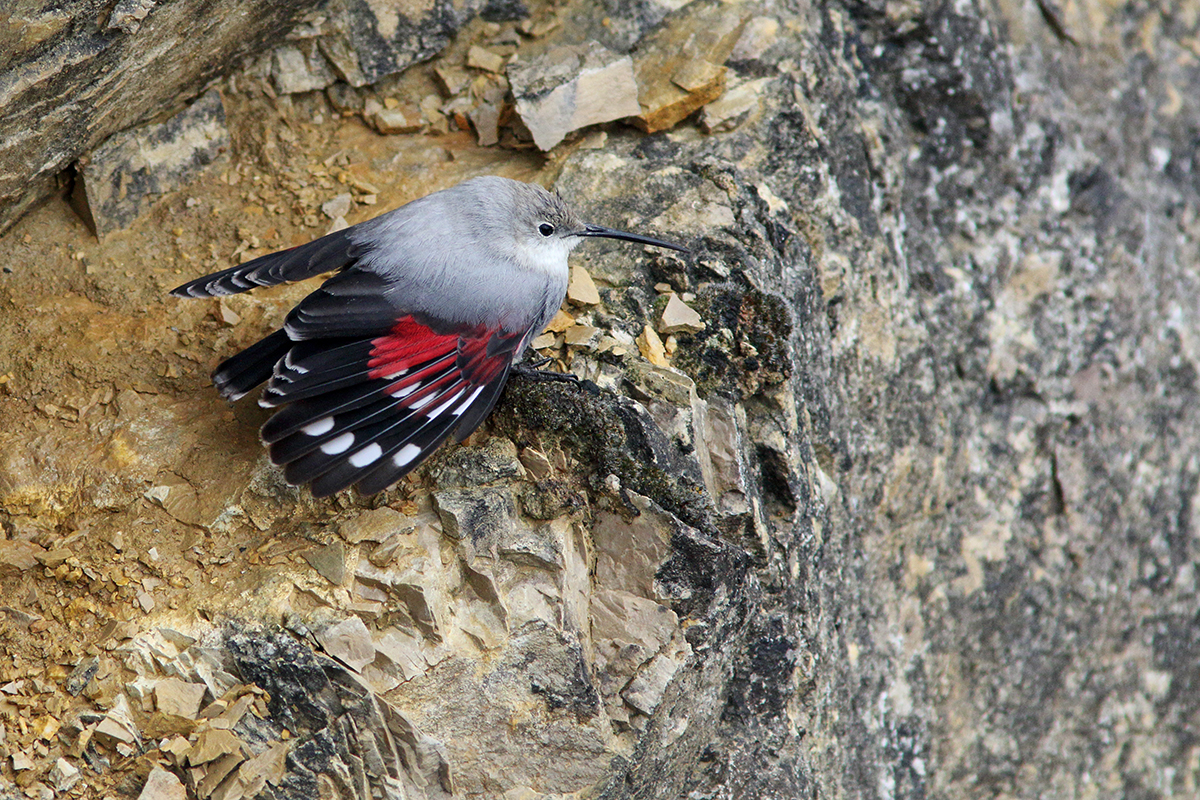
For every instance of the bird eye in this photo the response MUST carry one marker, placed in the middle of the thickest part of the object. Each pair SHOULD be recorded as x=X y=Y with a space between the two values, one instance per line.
x=546 y=229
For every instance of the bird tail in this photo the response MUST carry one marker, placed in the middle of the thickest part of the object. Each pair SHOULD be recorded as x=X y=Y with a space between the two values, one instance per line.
x=239 y=374
x=328 y=254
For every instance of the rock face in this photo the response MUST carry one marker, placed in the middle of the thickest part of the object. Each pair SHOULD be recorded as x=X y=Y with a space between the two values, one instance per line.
x=73 y=74
x=885 y=490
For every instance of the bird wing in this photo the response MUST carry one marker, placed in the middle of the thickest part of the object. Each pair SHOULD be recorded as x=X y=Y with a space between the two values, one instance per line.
x=367 y=411
x=327 y=254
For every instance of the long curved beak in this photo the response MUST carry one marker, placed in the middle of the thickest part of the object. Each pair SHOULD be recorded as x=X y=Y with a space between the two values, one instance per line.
x=601 y=232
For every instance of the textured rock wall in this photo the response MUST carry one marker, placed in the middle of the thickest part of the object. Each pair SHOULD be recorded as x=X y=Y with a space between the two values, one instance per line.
x=910 y=515
x=74 y=74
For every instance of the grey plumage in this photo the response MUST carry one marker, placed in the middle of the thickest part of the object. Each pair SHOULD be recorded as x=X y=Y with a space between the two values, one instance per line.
x=413 y=338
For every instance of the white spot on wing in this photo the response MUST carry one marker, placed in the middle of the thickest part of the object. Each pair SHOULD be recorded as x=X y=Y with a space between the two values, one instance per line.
x=467 y=403
x=437 y=411
x=424 y=401
x=394 y=373
x=405 y=391
x=368 y=455
x=338 y=445
x=323 y=425
x=405 y=455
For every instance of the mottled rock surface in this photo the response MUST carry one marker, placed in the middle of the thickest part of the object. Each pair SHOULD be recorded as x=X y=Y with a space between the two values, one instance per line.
x=911 y=514
x=74 y=74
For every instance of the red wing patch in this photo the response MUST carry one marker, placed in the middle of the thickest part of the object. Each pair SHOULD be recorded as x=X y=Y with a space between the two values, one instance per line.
x=382 y=416
x=410 y=343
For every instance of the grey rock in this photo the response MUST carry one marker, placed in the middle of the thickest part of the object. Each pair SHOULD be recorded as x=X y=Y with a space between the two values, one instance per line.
x=118 y=180
x=484 y=517
x=321 y=703
x=64 y=775
x=491 y=462
x=300 y=67
x=365 y=43
x=162 y=785
x=569 y=88
x=550 y=665
x=349 y=641
x=82 y=675
x=344 y=97
x=329 y=561
x=68 y=85
x=948 y=371
x=173 y=696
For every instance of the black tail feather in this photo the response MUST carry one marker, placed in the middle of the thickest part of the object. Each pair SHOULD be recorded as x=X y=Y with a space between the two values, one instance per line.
x=239 y=374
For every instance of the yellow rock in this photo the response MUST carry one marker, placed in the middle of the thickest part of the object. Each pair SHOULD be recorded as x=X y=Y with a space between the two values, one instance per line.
x=681 y=69
x=582 y=289
x=561 y=321
x=652 y=348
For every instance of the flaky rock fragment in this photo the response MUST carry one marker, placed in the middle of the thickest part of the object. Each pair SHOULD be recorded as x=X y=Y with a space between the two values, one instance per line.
x=329 y=561
x=118 y=725
x=569 y=88
x=482 y=58
x=680 y=68
x=486 y=119
x=162 y=785
x=582 y=289
x=18 y=555
x=350 y=642
x=679 y=317
x=401 y=119
x=651 y=347
x=300 y=67
x=583 y=336
x=173 y=696
x=732 y=108
x=560 y=322
x=64 y=775
x=212 y=744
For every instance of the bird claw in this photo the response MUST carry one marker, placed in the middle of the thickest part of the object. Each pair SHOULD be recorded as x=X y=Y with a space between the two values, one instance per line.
x=530 y=370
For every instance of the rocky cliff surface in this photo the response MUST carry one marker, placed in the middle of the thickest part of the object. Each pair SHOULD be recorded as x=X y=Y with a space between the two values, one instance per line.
x=885 y=490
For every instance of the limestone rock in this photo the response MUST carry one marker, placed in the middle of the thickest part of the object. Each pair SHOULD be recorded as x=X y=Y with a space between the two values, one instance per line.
x=162 y=785
x=678 y=317
x=64 y=775
x=569 y=88
x=74 y=85
x=680 y=68
x=482 y=58
x=402 y=119
x=329 y=561
x=733 y=107
x=119 y=179
x=651 y=347
x=300 y=67
x=582 y=289
x=350 y=642
x=174 y=696
x=17 y=555
x=213 y=744
x=932 y=451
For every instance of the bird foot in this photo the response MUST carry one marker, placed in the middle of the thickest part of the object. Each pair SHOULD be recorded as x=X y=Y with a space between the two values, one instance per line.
x=530 y=369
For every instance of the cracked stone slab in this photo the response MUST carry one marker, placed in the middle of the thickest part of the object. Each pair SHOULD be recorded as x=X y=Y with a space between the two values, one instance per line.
x=122 y=177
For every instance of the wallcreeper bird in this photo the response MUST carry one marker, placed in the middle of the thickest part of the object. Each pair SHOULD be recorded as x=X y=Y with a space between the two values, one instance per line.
x=413 y=338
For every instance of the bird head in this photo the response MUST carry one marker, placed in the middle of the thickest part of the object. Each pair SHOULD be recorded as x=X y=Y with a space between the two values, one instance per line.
x=540 y=227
